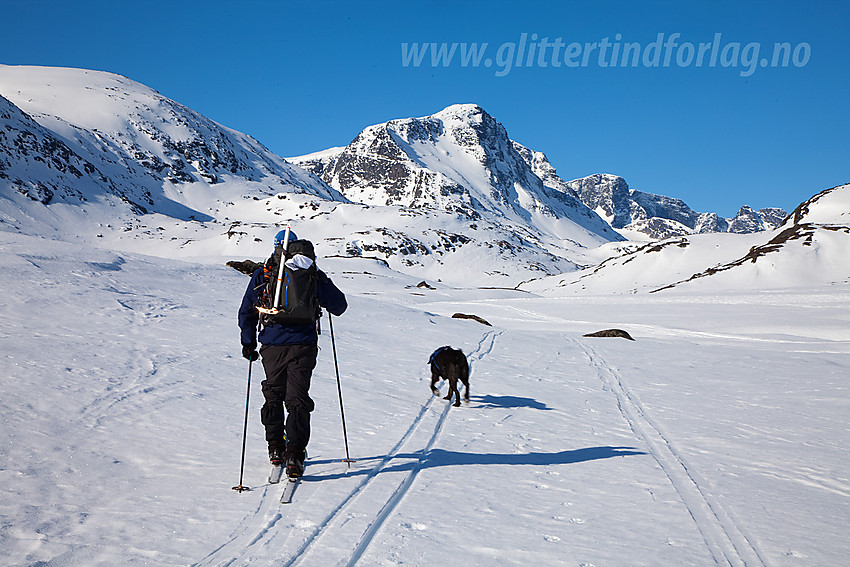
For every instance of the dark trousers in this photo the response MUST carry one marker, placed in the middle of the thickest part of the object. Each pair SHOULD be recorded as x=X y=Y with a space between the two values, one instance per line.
x=289 y=369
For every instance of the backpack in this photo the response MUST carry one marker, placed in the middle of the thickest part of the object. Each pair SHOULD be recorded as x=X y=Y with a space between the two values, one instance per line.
x=298 y=301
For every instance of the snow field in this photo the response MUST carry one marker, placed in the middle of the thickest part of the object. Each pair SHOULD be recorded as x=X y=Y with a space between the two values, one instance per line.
x=719 y=436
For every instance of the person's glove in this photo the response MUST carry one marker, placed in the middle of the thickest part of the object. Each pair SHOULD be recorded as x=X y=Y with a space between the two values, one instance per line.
x=250 y=352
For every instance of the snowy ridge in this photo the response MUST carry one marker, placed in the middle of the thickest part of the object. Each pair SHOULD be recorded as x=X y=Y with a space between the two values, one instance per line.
x=809 y=248
x=830 y=206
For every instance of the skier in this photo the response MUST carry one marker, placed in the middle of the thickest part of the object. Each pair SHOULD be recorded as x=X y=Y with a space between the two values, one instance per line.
x=289 y=354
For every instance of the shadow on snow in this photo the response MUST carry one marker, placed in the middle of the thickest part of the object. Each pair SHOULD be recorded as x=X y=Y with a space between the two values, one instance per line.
x=508 y=402
x=442 y=458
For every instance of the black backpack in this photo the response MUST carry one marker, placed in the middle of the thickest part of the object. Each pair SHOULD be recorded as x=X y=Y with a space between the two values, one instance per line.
x=298 y=301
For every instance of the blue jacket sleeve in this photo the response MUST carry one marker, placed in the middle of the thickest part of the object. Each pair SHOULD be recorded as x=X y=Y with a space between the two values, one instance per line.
x=330 y=297
x=249 y=317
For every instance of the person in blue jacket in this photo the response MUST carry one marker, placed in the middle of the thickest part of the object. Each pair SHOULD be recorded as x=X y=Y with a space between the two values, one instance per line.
x=289 y=355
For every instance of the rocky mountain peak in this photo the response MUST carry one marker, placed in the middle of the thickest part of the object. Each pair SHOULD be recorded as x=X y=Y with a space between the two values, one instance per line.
x=461 y=160
x=746 y=221
x=466 y=112
x=606 y=194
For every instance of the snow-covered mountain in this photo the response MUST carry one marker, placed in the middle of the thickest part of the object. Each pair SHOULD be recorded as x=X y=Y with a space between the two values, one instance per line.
x=808 y=248
x=639 y=215
x=447 y=197
x=84 y=138
x=460 y=160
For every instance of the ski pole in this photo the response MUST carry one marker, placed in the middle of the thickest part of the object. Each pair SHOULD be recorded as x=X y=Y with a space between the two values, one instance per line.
x=348 y=458
x=240 y=487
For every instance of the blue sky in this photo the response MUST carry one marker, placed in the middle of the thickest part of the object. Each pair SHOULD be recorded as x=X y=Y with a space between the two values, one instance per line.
x=304 y=76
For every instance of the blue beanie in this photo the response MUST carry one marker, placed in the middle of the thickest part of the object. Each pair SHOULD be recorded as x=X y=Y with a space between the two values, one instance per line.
x=278 y=238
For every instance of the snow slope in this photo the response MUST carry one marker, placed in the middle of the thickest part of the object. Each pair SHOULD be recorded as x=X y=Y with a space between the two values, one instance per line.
x=99 y=144
x=717 y=437
x=808 y=248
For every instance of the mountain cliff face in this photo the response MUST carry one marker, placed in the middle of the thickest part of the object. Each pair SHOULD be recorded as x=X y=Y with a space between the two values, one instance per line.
x=74 y=136
x=659 y=217
x=36 y=163
x=460 y=160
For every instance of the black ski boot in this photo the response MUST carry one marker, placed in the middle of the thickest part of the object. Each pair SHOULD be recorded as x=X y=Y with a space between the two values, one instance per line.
x=295 y=463
x=276 y=453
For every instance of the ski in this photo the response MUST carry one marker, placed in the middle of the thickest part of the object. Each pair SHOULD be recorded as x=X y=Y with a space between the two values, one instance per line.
x=274 y=474
x=288 y=489
x=293 y=476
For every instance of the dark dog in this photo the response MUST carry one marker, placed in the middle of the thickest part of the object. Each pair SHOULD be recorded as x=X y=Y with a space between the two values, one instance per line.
x=450 y=364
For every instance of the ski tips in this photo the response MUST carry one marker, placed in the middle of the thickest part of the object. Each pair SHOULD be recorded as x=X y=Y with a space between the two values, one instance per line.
x=241 y=488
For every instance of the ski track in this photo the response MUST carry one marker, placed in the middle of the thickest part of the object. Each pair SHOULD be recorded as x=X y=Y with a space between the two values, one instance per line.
x=246 y=540
x=242 y=532
x=139 y=374
x=723 y=535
